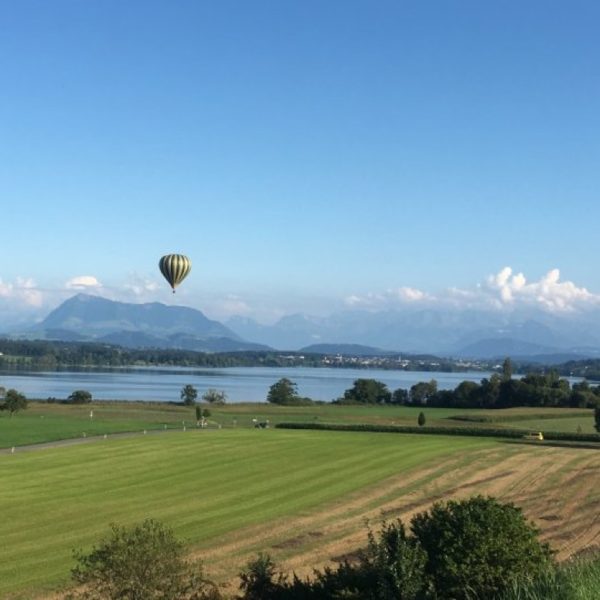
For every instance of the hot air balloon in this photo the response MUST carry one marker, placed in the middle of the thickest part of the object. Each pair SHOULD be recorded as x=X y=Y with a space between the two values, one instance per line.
x=174 y=268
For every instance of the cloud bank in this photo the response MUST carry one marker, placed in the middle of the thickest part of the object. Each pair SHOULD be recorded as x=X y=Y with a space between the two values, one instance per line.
x=506 y=290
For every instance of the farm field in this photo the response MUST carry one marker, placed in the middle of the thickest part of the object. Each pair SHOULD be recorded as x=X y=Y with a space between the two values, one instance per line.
x=300 y=495
x=43 y=422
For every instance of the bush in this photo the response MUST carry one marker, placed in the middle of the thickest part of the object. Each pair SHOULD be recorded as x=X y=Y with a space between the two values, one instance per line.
x=390 y=568
x=471 y=549
x=13 y=402
x=259 y=581
x=143 y=562
x=213 y=396
x=393 y=566
x=478 y=547
x=80 y=397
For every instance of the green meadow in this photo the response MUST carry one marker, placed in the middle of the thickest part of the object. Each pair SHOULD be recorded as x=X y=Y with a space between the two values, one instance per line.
x=44 y=422
x=203 y=483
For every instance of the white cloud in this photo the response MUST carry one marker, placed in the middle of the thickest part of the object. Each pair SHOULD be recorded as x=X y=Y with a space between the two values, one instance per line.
x=505 y=290
x=388 y=299
x=83 y=282
x=140 y=287
x=23 y=291
x=548 y=293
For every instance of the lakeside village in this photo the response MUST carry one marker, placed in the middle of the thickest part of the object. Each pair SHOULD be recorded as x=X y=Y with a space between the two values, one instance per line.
x=393 y=362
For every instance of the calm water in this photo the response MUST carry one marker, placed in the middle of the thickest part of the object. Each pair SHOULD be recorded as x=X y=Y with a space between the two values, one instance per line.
x=241 y=384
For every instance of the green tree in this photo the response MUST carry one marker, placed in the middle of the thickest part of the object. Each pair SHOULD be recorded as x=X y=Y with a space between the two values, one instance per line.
x=283 y=392
x=476 y=547
x=80 y=397
x=213 y=396
x=597 y=418
x=421 y=392
x=367 y=391
x=14 y=402
x=142 y=562
x=400 y=396
x=421 y=419
x=188 y=395
x=507 y=369
x=466 y=394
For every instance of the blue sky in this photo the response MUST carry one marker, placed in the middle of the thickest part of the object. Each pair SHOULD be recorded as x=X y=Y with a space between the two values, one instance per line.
x=301 y=153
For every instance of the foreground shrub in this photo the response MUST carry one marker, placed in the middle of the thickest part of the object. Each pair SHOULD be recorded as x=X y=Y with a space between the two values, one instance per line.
x=143 y=562
x=260 y=580
x=477 y=547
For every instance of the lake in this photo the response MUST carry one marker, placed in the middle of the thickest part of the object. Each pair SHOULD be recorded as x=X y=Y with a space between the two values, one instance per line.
x=241 y=384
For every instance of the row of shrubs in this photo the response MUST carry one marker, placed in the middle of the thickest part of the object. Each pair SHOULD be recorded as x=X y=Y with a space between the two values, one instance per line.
x=464 y=431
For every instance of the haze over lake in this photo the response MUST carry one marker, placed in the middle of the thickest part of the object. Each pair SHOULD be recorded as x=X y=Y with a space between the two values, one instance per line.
x=241 y=384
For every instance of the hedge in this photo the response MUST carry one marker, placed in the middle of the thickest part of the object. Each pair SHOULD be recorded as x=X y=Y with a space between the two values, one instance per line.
x=464 y=431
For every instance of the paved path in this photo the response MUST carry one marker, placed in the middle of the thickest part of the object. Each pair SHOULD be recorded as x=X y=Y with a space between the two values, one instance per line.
x=93 y=438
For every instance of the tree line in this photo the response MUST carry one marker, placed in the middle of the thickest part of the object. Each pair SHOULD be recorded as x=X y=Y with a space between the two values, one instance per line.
x=47 y=354
x=497 y=391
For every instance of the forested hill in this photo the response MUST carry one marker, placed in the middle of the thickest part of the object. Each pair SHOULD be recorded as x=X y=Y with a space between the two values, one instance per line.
x=589 y=368
x=49 y=354
x=44 y=354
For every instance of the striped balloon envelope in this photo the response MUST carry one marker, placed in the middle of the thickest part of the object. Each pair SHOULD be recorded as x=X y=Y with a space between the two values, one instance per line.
x=174 y=268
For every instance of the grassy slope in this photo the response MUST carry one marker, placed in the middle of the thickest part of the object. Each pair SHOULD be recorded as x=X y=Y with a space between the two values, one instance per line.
x=203 y=484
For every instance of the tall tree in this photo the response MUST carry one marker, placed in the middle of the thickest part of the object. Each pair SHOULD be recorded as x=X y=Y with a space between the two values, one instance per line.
x=368 y=391
x=14 y=402
x=507 y=369
x=189 y=394
x=422 y=391
x=283 y=392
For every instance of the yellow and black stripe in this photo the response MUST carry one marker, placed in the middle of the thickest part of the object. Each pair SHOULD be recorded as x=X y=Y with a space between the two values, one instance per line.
x=174 y=268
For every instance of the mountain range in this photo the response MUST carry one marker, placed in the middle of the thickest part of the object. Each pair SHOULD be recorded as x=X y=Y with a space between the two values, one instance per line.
x=456 y=333
x=92 y=318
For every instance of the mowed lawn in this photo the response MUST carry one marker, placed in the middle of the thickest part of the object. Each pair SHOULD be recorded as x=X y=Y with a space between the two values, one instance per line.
x=204 y=484
x=43 y=422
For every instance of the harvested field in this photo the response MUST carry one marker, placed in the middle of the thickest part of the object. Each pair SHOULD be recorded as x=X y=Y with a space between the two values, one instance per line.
x=302 y=496
x=557 y=488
